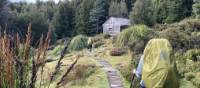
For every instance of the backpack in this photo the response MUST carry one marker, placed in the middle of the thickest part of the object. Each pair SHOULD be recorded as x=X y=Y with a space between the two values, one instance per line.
x=159 y=70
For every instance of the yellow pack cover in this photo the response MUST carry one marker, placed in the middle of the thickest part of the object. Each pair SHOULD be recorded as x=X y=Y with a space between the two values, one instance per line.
x=159 y=70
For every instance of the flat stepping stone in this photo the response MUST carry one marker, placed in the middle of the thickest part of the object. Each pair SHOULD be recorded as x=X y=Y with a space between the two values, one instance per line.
x=113 y=78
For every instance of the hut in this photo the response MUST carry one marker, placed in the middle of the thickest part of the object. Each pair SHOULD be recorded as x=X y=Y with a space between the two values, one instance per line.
x=113 y=26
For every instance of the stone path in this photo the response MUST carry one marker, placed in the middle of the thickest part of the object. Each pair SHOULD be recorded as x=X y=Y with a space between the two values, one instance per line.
x=113 y=77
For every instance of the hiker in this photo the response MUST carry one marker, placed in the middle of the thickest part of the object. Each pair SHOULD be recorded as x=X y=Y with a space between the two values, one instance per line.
x=90 y=44
x=156 y=68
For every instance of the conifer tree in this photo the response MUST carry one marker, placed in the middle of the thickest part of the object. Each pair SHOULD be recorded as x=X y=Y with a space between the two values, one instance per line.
x=98 y=16
x=63 y=21
x=168 y=11
x=82 y=15
x=118 y=9
x=142 y=13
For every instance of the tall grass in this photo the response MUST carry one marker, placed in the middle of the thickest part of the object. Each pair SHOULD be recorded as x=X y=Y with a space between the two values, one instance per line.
x=17 y=60
x=131 y=35
x=79 y=42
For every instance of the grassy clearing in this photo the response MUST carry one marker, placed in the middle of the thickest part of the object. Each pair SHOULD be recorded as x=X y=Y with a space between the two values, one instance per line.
x=79 y=78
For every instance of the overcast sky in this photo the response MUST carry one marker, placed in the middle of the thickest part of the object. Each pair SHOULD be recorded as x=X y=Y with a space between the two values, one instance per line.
x=30 y=0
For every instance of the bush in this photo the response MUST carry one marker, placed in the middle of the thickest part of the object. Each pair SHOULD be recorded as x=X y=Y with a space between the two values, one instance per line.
x=117 y=52
x=196 y=82
x=192 y=54
x=131 y=35
x=178 y=38
x=77 y=43
x=189 y=76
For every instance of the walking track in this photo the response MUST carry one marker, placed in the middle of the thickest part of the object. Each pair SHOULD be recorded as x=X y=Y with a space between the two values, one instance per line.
x=113 y=77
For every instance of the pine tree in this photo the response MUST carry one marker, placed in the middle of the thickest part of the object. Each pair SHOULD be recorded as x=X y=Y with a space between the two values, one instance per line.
x=142 y=13
x=123 y=9
x=129 y=4
x=63 y=21
x=98 y=16
x=168 y=11
x=82 y=15
x=118 y=9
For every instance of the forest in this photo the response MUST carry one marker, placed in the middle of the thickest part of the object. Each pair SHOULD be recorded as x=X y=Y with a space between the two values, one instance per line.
x=45 y=44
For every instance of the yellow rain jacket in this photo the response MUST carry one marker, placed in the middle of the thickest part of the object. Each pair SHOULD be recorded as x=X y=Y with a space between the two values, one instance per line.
x=159 y=70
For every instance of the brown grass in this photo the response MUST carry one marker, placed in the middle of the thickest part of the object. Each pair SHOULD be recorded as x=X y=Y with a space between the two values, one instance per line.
x=15 y=60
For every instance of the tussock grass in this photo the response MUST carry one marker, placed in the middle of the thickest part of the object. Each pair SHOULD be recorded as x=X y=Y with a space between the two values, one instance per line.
x=77 y=43
x=131 y=35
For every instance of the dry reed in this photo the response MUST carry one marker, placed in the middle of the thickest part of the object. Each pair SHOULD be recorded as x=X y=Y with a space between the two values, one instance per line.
x=15 y=60
x=68 y=71
x=58 y=65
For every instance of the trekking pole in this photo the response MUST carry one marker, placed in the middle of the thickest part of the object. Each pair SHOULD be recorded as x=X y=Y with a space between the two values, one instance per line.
x=132 y=78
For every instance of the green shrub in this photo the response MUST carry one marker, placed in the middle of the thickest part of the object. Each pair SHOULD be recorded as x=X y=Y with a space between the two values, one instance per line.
x=132 y=35
x=196 y=82
x=189 y=25
x=178 y=38
x=180 y=64
x=193 y=52
x=189 y=76
x=77 y=43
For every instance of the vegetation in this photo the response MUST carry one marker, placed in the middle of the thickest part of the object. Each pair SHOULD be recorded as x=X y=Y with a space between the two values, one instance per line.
x=17 y=62
x=118 y=9
x=142 y=13
x=79 y=42
x=24 y=52
x=98 y=16
x=196 y=10
x=132 y=35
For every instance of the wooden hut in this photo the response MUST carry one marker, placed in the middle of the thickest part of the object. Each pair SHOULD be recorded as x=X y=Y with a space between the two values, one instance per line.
x=113 y=26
